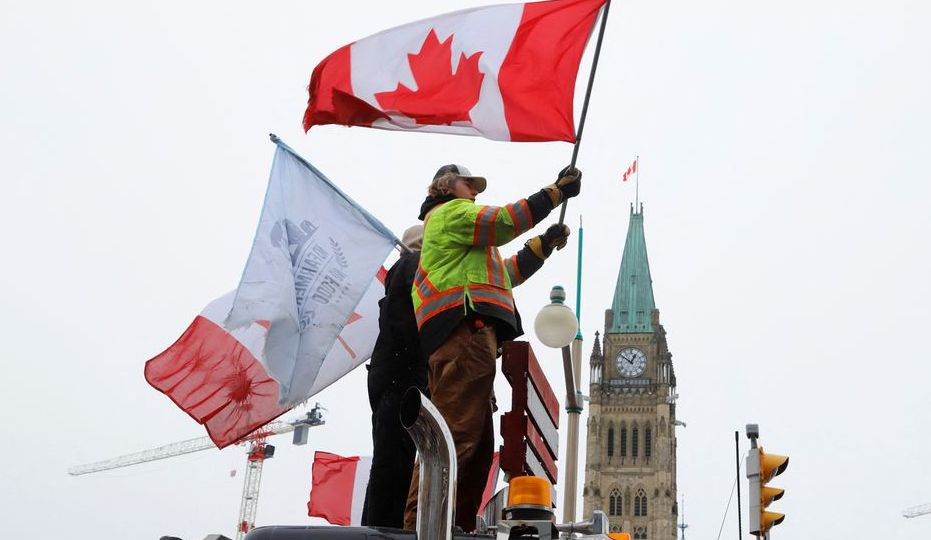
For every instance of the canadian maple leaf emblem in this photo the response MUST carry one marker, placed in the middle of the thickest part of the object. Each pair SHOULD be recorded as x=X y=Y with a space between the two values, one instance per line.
x=442 y=97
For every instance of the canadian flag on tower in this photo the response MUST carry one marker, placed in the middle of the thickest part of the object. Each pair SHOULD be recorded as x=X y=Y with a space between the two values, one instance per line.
x=631 y=170
x=504 y=72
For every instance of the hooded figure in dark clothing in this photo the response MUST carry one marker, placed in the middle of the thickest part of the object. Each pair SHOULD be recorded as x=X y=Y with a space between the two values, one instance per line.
x=398 y=363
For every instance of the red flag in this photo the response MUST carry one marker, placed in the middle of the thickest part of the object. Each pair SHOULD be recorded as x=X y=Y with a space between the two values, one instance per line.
x=504 y=72
x=338 y=486
x=631 y=170
x=217 y=377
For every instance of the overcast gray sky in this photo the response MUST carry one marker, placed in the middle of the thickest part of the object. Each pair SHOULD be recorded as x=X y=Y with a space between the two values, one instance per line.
x=784 y=173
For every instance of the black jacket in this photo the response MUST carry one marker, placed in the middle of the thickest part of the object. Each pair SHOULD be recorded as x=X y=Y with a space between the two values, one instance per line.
x=398 y=357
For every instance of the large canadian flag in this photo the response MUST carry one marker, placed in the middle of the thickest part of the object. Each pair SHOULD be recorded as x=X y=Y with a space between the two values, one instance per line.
x=504 y=72
x=305 y=312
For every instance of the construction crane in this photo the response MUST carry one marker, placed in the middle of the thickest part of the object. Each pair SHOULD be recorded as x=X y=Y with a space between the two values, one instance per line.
x=915 y=511
x=257 y=451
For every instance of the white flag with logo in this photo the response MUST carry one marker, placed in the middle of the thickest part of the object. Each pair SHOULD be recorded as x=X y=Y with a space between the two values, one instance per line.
x=313 y=257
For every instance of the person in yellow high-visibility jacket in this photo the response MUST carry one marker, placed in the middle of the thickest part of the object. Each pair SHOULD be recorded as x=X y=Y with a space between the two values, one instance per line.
x=464 y=309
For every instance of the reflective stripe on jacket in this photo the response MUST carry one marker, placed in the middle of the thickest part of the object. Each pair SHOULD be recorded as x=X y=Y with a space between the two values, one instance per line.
x=461 y=269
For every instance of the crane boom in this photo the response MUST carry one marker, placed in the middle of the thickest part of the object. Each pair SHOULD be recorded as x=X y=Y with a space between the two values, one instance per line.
x=152 y=454
x=312 y=418
x=915 y=511
x=257 y=452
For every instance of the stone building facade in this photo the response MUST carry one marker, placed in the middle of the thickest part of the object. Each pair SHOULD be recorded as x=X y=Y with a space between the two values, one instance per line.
x=630 y=468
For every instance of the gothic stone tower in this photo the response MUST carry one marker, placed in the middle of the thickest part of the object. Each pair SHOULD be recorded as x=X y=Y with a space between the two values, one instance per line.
x=630 y=470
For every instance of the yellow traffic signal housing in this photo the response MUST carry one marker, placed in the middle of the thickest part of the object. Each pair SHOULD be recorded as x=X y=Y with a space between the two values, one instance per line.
x=770 y=494
x=761 y=468
x=768 y=519
x=771 y=465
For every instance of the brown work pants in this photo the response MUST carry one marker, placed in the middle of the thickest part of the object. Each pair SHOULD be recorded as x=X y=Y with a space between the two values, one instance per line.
x=461 y=376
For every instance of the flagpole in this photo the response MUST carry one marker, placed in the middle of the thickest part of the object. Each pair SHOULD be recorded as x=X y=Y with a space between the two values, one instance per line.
x=588 y=95
x=401 y=246
x=637 y=180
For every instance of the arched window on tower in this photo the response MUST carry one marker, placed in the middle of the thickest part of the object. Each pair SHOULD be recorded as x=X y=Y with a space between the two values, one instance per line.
x=610 y=441
x=633 y=442
x=648 y=442
x=596 y=374
x=640 y=503
x=623 y=441
x=614 y=503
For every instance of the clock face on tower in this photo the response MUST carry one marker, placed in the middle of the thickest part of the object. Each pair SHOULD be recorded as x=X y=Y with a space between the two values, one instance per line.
x=631 y=362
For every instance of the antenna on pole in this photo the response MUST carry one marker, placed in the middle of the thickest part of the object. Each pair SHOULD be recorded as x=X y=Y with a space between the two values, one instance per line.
x=578 y=282
x=682 y=524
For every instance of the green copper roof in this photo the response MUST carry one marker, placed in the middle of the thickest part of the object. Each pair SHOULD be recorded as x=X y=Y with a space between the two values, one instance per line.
x=633 y=296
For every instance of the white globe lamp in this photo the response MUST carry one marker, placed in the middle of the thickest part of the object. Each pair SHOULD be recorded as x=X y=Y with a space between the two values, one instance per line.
x=556 y=325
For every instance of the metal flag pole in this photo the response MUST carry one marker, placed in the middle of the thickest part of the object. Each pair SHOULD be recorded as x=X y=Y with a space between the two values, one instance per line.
x=637 y=181
x=588 y=95
x=378 y=225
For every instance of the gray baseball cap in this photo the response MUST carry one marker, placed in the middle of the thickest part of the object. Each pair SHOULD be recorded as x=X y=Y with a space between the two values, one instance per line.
x=478 y=182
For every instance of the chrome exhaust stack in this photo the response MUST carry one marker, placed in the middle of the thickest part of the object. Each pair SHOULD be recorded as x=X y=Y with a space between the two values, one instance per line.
x=437 y=488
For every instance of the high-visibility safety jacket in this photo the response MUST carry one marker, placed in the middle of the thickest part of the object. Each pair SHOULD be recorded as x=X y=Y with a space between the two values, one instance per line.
x=461 y=272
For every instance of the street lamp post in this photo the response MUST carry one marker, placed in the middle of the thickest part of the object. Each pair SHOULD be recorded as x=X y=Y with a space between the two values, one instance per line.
x=557 y=327
x=574 y=413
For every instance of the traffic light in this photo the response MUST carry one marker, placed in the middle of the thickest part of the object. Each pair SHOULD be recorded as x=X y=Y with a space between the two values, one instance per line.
x=761 y=468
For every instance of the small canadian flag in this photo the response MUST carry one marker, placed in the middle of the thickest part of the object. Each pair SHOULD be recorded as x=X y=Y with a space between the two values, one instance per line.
x=632 y=169
x=338 y=485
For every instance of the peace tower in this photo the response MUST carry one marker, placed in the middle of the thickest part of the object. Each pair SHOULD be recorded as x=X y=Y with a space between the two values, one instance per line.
x=630 y=470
